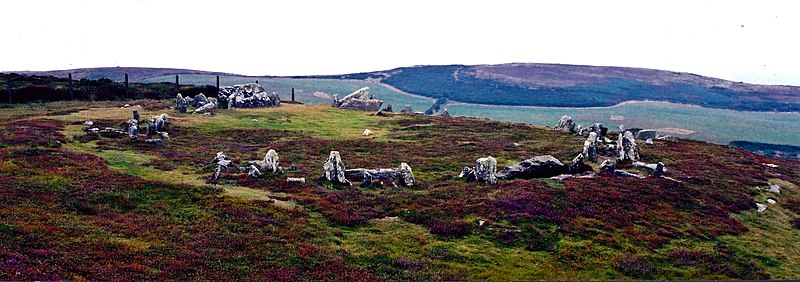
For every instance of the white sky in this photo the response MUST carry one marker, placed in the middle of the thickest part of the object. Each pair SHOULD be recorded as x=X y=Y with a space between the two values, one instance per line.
x=750 y=41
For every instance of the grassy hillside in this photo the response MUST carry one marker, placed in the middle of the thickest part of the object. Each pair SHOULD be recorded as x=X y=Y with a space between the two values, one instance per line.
x=80 y=208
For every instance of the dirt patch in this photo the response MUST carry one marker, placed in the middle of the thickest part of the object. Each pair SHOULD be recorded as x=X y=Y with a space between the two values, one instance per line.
x=322 y=95
x=617 y=118
x=673 y=130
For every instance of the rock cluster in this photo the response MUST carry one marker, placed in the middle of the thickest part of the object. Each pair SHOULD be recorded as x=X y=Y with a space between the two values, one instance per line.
x=360 y=100
x=250 y=95
x=485 y=171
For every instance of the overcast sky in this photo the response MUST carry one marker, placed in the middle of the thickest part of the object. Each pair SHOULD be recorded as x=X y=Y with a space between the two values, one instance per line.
x=750 y=41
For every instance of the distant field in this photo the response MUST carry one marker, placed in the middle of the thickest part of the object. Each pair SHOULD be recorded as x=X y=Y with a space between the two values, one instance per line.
x=712 y=125
x=305 y=89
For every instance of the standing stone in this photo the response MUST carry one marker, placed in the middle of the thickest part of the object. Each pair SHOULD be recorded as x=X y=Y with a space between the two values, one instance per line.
x=486 y=170
x=334 y=169
x=659 y=171
x=590 y=147
x=775 y=189
x=405 y=174
x=151 y=127
x=445 y=113
x=566 y=123
x=627 y=150
x=271 y=161
x=133 y=129
x=253 y=171
x=388 y=109
x=136 y=116
x=407 y=109
x=577 y=165
x=180 y=104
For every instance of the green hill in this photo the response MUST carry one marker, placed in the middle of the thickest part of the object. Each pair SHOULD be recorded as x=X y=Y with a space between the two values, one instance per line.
x=78 y=207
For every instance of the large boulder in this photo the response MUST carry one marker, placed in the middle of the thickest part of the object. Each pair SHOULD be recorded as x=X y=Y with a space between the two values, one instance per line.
x=180 y=104
x=250 y=95
x=402 y=174
x=566 y=123
x=334 y=169
x=211 y=103
x=360 y=100
x=645 y=134
x=536 y=167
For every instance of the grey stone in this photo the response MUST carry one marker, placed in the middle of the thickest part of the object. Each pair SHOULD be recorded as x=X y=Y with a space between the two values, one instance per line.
x=133 y=129
x=627 y=150
x=358 y=100
x=566 y=123
x=771 y=201
x=272 y=162
x=180 y=104
x=407 y=109
x=649 y=141
x=88 y=123
x=761 y=207
x=156 y=142
x=253 y=171
x=334 y=169
x=485 y=170
x=367 y=132
x=250 y=95
x=403 y=174
x=296 y=180
x=590 y=147
x=136 y=115
x=164 y=135
x=645 y=134
x=577 y=165
x=659 y=171
x=210 y=104
x=536 y=167
x=775 y=189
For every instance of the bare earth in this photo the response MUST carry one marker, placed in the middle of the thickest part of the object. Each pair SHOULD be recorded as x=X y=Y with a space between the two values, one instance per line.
x=673 y=130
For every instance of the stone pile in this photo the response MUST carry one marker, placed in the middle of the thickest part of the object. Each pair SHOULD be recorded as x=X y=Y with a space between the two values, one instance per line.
x=402 y=174
x=250 y=95
x=360 y=100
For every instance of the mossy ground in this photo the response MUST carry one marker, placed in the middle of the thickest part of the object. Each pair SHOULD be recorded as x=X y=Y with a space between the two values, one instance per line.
x=108 y=209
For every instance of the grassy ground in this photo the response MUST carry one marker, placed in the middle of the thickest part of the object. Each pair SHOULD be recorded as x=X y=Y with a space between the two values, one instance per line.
x=144 y=212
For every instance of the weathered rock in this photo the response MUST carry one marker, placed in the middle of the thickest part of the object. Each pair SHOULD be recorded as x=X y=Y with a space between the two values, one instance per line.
x=649 y=142
x=577 y=165
x=93 y=131
x=180 y=104
x=468 y=173
x=222 y=160
x=627 y=150
x=775 y=189
x=88 y=123
x=253 y=171
x=597 y=128
x=566 y=123
x=771 y=201
x=133 y=129
x=334 y=169
x=623 y=173
x=445 y=113
x=136 y=115
x=645 y=134
x=761 y=207
x=216 y=174
x=159 y=122
x=367 y=132
x=608 y=166
x=272 y=162
x=164 y=135
x=200 y=100
x=388 y=109
x=536 y=167
x=210 y=104
x=590 y=147
x=296 y=180
x=156 y=142
x=249 y=95
x=403 y=174
x=407 y=109
x=485 y=170
x=109 y=132
x=659 y=171
x=358 y=100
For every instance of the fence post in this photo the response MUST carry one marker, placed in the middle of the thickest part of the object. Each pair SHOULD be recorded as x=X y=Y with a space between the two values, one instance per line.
x=256 y=81
x=177 y=85
x=71 y=95
x=8 y=87
x=127 y=93
x=292 y=94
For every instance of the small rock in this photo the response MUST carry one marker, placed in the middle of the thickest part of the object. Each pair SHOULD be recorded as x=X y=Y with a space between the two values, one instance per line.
x=771 y=201
x=88 y=123
x=368 y=132
x=761 y=207
x=775 y=189
x=126 y=106
x=254 y=120
x=515 y=144
x=156 y=142
x=253 y=171
x=649 y=141
x=164 y=135
x=770 y=165
x=296 y=180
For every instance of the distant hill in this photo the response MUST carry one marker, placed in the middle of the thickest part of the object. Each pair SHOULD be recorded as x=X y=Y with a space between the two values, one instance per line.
x=551 y=85
x=118 y=73
x=581 y=86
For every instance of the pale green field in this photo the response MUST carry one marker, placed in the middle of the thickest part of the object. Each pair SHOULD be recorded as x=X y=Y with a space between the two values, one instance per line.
x=304 y=89
x=712 y=125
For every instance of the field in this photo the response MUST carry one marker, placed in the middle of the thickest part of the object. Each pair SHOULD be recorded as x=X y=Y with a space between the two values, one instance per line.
x=77 y=207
